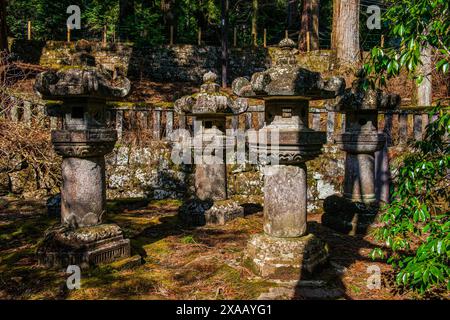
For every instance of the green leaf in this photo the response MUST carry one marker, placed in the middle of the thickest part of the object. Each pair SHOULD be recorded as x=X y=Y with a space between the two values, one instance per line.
x=445 y=67
x=401 y=30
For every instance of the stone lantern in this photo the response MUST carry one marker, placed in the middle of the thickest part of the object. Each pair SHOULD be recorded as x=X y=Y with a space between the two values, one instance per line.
x=357 y=209
x=285 y=249
x=208 y=202
x=83 y=142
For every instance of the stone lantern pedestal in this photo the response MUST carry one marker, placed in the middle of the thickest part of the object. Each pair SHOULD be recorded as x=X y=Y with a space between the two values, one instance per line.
x=358 y=208
x=208 y=202
x=82 y=239
x=286 y=249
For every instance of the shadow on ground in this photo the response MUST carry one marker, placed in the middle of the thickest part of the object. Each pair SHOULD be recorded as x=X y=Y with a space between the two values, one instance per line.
x=345 y=275
x=177 y=262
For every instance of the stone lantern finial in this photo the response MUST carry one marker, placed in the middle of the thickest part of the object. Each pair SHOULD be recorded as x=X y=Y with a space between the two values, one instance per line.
x=287 y=44
x=210 y=102
x=209 y=77
x=209 y=83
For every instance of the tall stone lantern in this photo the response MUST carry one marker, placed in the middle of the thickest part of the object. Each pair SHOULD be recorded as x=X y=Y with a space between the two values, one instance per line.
x=357 y=209
x=83 y=142
x=285 y=249
x=208 y=202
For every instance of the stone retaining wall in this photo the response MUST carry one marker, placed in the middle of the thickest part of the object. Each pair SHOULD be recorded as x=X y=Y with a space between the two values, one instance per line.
x=149 y=172
x=183 y=63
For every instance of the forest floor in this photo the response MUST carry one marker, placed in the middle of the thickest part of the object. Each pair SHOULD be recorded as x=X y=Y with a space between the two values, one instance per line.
x=175 y=262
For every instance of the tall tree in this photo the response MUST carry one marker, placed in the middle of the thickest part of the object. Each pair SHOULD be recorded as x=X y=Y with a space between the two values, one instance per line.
x=336 y=8
x=425 y=87
x=309 y=25
x=346 y=31
x=3 y=27
x=201 y=15
x=170 y=15
x=255 y=6
x=126 y=12
x=292 y=14
x=224 y=40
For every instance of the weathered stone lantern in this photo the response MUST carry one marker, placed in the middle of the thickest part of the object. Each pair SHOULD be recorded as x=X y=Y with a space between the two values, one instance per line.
x=82 y=238
x=209 y=203
x=361 y=139
x=286 y=248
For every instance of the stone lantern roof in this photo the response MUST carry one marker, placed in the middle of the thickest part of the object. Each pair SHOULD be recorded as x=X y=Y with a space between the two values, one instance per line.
x=357 y=98
x=210 y=100
x=81 y=80
x=286 y=78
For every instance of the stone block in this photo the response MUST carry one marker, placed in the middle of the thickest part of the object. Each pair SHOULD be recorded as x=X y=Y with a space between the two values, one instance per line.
x=346 y=216
x=198 y=212
x=223 y=211
x=285 y=258
x=83 y=246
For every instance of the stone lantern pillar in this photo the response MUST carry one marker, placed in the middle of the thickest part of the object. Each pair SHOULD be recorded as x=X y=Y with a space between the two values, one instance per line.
x=285 y=249
x=209 y=203
x=82 y=238
x=357 y=209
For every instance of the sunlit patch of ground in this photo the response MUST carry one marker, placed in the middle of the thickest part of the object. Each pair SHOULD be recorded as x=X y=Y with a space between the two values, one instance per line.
x=177 y=262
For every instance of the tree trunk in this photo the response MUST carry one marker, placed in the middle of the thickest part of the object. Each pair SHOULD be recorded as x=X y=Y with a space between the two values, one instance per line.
x=200 y=16
x=292 y=15
x=309 y=25
x=347 y=32
x=3 y=27
x=170 y=17
x=126 y=9
x=255 y=21
x=425 y=88
x=224 y=40
x=336 y=8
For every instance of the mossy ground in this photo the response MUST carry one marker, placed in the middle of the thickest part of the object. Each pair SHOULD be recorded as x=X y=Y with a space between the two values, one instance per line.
x=177 y=262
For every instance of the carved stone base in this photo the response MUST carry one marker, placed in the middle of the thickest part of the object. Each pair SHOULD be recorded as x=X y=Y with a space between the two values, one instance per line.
x=83 y=247
x=346 y=216
x=199 y=213
x=223 y=211
x=285 y=258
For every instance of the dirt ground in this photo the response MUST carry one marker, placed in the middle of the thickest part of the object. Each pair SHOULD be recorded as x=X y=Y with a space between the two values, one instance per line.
x=177 y=262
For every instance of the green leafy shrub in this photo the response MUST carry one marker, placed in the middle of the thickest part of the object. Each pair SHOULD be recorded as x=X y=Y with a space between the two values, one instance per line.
x=417 y=223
